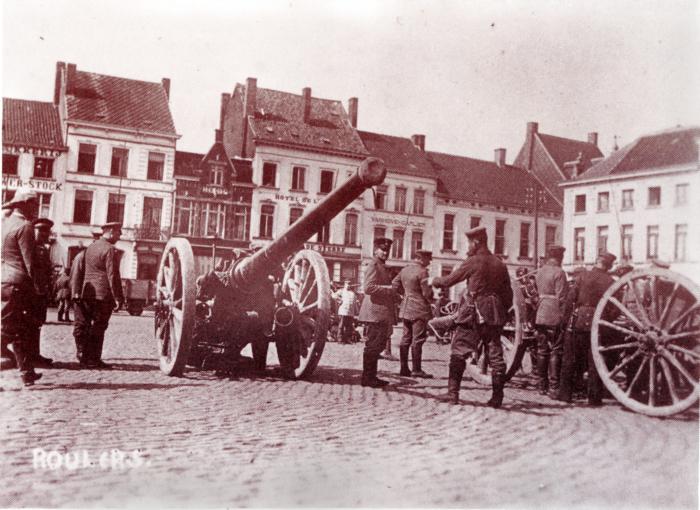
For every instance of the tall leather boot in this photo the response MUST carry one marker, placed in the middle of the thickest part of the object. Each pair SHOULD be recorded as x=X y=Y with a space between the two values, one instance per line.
x=542 y=368
x=417 y=355
x=497 y=383
x=24 y=362
x=454 y=380
x=554 y=374
x=369 y=372
x=403 y=356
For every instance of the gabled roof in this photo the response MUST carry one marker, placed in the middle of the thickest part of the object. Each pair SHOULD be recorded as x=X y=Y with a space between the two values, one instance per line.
x=564 y=150
x=122 y=102
x=31 y=124
x=484 y=182
x=279 y=120
x=400 y=155
x=671 y=148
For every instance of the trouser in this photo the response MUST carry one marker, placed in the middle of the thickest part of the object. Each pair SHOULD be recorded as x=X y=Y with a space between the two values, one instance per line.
x=91 y=321
x=549 y=352
x=345 y=328
x=465 y=341
x=64 y=306
x=377 y=335
x=15 y=326
x=577 y=349
x=414 y=335
x=37 y=317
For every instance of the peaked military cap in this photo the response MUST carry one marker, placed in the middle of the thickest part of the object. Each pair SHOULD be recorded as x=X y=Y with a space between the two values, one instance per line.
x=42 y=223
x=424 y=253
x=476 y=233
x=23 y=196
x=555 y=251
x=96 y=234
x=607 y=257
x=383 y=242
x=112 y=225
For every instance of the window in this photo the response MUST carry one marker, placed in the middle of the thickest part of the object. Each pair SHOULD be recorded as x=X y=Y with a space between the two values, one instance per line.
x=216 y=175
x=627 y=199
x=295 y=213
x=10 y=163
x=156 y=164
x=397 y=247
x=269 y=176
x=380 y=197
x=400 y=200
x=324 y=234
x=82 y=208
x=239 y=227
x=580 y=205
x=654 y=196
x=681 y=194
x=679 y=245
x=298 y=174
x=579 y=244
x=602 y=239
x=474 y=222
x=213 y=220
x=652 y=241
x=43 y=168
x=152 y=208
x=550 y=236
x=115 y=208
x=418 y=201
x=326 y=181
x=184 y=214
x=499 y=247
x=626 y=242
x=44 y=204
x=86 y=158
x=120 y=160
x=416 y=242
x=603 y=201
x=524 y=240
x=379 y=232
x=448 y=232
x=351 y=220
x=267 y=214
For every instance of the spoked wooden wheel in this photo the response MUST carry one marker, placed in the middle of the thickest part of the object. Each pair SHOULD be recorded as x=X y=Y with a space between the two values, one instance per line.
x=175 y=305
x=511 y=339
x=646 y=341
x=306 y=286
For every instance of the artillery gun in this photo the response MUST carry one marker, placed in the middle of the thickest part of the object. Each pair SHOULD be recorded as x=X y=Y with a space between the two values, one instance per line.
x=278 y=294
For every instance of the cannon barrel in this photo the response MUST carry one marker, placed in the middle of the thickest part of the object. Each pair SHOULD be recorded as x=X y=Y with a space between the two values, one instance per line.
x=245 y=274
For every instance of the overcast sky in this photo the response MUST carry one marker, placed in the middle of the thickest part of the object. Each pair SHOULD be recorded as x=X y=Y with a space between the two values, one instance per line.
x=467 y=74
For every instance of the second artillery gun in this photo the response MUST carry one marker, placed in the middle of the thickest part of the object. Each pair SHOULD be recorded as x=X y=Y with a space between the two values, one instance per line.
x=278 y=294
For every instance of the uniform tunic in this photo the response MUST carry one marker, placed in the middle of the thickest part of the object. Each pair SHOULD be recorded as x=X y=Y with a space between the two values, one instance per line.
x=378 y=308
x=415 y=310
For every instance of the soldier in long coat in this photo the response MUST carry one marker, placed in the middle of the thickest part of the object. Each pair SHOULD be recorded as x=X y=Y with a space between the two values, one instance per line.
x=63 y=296
x=481 y=315
x=18 y=283
x=40 y=301
x=101 y=291
x=415 y=311
x=551 y=290
x=81 y=324
x=378 y=311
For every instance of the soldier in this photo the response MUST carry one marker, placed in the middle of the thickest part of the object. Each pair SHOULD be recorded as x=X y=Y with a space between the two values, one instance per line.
x=346 y=312
x=63 y=296
x=101 y=291
x=18 y=281
x=412 y=283
x=40 y=301
x=81 y=325
x=590 y=288
x=551 y=288
x=378 y=311
x=481 y=315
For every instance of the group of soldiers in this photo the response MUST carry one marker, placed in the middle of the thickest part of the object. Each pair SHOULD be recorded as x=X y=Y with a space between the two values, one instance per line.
x=93 y=286
x=481 y=315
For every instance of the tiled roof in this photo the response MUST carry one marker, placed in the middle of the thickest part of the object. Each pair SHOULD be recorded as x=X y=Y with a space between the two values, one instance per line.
x=187 y=164
x=120 y=102
x=399 y=154
x=279 y=120
x=670 y=148
x=484 y=182
x=564 y=150
x=31 y=123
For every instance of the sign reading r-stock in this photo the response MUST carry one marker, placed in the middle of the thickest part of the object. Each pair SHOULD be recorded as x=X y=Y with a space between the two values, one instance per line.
x=13 y=182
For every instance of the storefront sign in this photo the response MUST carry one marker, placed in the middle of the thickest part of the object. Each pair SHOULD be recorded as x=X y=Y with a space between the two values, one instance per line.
x=297 y=199
x=13 y=182
x=329 y=249
x=217 y=191
x=397 y=221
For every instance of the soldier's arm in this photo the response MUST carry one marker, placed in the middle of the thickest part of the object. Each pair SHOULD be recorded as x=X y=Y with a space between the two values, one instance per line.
x=560 y=289
x=426 y=289
x=115 y=281
x=372 y=288
x=397 y=285
x=460 y=273
x=27 y=248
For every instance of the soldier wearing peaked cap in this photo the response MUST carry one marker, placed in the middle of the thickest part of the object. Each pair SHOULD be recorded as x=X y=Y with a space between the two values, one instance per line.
x=378 y=311
x=412 y=284
x=481 y=314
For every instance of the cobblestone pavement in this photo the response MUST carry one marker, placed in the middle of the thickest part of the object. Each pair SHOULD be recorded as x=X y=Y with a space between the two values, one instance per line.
x=205 y=441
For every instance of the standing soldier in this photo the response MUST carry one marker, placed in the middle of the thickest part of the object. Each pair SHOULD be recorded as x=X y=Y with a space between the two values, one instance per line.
x=40 y=301
x=101 y=291
x=81 y=324
x=18 y=274
x=378 y=311
x=346 y=312
x=412 y=283
x=63 y=296
x=590 y=288
x=481 y=315
x=551 y=288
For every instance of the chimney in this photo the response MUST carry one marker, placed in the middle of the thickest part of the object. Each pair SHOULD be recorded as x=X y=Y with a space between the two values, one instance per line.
x=166 y=86
x=225 y=98
x=60 y=69
x=218 y=136
x=419 y=141
x=593 y=138
x=251 y=93
x=500 y=157
x=70 y=78
x=352 y=110
x=531 y=128
x=306 y=93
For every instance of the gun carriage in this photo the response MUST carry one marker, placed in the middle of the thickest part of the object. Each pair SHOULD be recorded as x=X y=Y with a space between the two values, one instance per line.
x=278 y=294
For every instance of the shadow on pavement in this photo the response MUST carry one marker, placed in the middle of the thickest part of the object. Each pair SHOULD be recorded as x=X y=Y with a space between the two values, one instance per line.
x=128 y=367
x=109 y=386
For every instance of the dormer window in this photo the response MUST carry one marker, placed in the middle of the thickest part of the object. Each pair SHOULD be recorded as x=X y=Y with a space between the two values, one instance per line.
x=216 y=176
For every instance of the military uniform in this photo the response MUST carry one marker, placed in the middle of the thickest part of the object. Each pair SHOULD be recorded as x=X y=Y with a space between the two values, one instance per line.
x=378 y=311
x=40 y=301
x=63 y=296
x=81 y=326
x=415 y=311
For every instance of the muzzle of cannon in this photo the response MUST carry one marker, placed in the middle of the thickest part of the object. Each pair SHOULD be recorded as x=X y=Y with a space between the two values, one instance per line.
x=280 y=294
